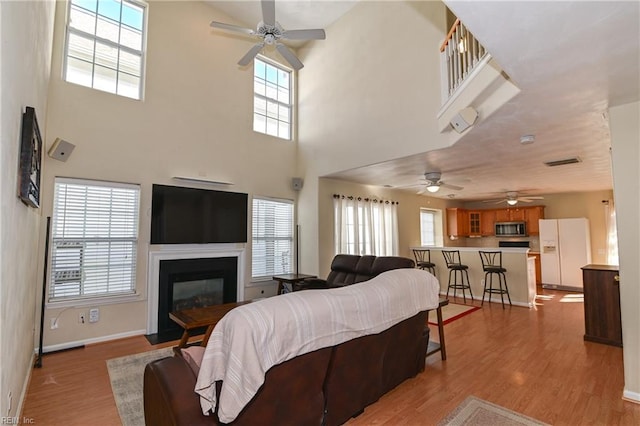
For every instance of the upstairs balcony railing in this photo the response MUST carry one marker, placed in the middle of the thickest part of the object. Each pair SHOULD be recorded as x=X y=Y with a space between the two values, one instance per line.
x=461 y=52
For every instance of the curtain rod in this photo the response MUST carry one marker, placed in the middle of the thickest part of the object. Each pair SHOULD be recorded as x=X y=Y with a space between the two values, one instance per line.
x=366 y=199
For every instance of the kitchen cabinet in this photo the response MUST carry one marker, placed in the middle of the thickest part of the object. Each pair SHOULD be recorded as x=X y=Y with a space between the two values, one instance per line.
x=481 y=223
x=457 y=222
x=532 y=216
x=487 y=223
x=475 y=229
x=515 y=214
x=602 y=322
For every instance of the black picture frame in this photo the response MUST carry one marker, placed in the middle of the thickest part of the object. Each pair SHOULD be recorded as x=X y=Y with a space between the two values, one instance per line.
x=30 y=159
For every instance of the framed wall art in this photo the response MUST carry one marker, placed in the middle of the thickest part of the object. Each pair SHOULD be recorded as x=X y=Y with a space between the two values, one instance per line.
x=30 y=159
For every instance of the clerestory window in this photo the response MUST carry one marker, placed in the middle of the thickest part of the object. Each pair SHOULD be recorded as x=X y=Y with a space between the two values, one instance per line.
x=272 y=99
x=105 y=45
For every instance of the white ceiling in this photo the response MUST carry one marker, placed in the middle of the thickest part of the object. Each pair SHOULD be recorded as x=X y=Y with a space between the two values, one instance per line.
x=571 y=60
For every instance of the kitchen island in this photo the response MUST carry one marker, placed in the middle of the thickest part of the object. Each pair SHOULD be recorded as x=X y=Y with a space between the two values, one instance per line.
x=521 y=276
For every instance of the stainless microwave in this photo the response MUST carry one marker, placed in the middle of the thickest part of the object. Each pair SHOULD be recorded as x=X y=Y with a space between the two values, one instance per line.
x=511 y=229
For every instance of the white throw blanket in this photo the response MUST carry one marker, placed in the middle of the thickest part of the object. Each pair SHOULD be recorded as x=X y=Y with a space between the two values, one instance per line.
x=252 y=338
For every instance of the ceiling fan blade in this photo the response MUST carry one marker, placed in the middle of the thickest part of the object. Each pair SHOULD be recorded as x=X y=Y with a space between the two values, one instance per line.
x=304 y=35
x=289 y=56
x=269 y=12
x=454 y=187
x=422 y=191
x=232 y=28
x=251 y=54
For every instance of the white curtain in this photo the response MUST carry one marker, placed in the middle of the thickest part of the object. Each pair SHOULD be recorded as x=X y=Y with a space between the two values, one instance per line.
x=612 y=233
x=365 y=226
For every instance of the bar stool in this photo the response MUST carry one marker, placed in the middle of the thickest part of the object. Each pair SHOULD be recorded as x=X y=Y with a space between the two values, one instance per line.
x=423 y=260
x=492 y=265
x=452 y=258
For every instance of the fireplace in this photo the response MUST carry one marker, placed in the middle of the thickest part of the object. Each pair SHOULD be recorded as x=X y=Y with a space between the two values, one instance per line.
x=191 y=275
x=194 y=283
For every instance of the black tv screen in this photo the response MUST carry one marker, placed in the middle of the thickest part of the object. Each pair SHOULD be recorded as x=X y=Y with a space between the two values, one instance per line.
x=182 y=215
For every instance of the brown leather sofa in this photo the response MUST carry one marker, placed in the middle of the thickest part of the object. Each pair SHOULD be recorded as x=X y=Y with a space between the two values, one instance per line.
x=324 y=387
x=347 y=269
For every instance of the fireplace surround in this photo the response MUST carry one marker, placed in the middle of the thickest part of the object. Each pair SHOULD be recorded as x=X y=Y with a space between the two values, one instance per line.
x=192 y=254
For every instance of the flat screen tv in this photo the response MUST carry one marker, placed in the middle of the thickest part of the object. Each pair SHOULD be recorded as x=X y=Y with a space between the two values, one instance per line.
x=182 y=215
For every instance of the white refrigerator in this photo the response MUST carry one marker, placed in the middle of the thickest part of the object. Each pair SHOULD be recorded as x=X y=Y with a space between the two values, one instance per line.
x=565 y=247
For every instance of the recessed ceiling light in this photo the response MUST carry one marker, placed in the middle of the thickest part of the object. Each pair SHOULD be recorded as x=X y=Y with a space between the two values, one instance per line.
x=527 y=139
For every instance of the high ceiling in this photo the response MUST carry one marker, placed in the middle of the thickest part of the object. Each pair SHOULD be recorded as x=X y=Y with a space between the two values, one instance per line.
x=571 y=60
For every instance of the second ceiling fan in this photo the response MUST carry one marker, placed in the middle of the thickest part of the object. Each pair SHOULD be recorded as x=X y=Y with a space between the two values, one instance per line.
x=512 y=198
x=271 y=32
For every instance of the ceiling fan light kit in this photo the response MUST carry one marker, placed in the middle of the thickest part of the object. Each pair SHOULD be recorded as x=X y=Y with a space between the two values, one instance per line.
x=271 y=32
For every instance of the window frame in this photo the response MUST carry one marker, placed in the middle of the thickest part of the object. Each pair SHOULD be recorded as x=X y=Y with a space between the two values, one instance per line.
x=437 y=227
x=290 y=105
x=92 y=299
x=116 y=45
x=291 y=203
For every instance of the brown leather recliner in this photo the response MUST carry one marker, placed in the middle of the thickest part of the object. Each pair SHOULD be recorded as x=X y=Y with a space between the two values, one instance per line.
x=347 y=269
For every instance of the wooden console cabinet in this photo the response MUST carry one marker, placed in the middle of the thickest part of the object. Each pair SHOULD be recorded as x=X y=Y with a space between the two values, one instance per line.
x=602 y=323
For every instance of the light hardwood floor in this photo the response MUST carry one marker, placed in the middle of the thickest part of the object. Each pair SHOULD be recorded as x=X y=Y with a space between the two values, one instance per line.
x=531 y=361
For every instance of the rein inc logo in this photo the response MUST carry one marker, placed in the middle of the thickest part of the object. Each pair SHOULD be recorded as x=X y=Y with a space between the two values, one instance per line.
x=17 y=421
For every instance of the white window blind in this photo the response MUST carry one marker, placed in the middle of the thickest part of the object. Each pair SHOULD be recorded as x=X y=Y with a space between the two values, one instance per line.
x=105 y=45
x=272 y=104
x=94 y=239
x=427 y=227
x=272 y=248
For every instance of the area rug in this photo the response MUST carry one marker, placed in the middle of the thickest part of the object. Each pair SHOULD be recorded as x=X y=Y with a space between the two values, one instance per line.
x=126 y=375
x=451 y=312
x=477 y=412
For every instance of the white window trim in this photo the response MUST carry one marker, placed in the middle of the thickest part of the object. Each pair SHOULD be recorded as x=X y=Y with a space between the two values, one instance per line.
x=258 y=280
x=437 y=227
x=292 y=96
x=108 y=299
x=142 y=53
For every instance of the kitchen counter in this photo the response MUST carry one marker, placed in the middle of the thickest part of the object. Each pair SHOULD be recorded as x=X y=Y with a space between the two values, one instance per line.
x=521 y=278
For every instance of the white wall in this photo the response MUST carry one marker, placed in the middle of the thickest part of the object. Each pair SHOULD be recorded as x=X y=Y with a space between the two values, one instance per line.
x=363 y=99
x=625 y=134
x=195 y=120
x=26 y=30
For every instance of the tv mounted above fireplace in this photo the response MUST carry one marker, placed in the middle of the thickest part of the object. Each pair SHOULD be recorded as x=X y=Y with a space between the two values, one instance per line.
x=182 y=215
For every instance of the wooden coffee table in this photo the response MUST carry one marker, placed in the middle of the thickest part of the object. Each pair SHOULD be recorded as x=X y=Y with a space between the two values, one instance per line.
x=190 y=319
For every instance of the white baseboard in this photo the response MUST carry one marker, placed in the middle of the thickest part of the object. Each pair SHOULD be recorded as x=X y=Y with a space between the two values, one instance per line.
x=25 y=387
x=631 y=396
x=75 y=344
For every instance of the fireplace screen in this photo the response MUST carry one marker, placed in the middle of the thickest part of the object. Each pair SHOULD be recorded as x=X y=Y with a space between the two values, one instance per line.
x=197 y=293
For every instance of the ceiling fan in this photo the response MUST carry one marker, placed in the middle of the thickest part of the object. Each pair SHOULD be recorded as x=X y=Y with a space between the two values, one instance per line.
x=432 y=183
x=271 y=32
x=512 y=198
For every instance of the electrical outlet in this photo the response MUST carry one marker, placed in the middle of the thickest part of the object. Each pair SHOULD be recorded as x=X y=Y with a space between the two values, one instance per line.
x=81 y=318
x=54 y=323
x=94 y=315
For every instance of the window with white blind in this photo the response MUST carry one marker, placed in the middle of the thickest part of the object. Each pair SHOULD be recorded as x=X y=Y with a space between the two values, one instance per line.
x=272 y=99
x=431 y=227
x=105 y=45
x=94 y=237
x=272 y=240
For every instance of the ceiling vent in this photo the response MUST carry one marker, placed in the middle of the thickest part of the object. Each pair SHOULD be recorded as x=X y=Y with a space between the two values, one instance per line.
x=572 y=160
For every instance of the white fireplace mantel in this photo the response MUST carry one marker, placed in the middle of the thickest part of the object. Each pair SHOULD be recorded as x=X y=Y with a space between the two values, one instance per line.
x=186 y=251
